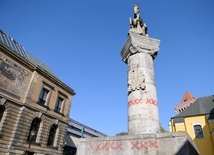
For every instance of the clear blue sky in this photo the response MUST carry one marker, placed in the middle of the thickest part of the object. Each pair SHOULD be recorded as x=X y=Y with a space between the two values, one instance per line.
x=81 y=42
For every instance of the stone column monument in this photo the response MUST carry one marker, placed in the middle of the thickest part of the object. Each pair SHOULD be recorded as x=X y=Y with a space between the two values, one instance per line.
x=144 y=137
x=139 y=53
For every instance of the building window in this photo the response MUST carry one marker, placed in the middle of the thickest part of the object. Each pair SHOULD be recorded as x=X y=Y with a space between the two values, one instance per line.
x=59 y=104
x=52 y=134
x=1 y=112
x=43 y=96
x=198 y=131
x=34 y=130
x=29 y=153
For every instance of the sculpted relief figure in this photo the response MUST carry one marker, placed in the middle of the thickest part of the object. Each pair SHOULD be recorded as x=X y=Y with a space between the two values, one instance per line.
x=137 y=25
x=136 y=80
x=141 y=79
x=131 y=80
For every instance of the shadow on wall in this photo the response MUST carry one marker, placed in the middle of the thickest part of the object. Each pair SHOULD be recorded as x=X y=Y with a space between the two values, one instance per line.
x=187 y=149
x=211 y=115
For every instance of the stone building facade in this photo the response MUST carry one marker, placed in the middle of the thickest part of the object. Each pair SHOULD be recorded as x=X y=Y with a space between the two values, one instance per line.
x=34 y=104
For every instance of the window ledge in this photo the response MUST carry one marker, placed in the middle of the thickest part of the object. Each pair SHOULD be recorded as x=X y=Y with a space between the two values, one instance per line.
x=52 y=147
x=43 y=105
x=33 y=143
x=59 y=112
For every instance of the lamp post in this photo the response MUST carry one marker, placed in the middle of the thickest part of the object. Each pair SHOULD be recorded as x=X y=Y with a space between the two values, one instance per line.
x=32 y=136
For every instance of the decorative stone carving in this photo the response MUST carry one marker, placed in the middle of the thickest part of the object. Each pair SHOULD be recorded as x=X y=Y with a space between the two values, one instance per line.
x=38 y=114
x=12 y=76
x=139 y=44
x=138 y=49
x=136 y=79
x=2 y=101
x=56 y=121
x=137 y=25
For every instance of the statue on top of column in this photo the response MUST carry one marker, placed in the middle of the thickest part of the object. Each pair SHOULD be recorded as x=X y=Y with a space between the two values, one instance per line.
x=137 y=25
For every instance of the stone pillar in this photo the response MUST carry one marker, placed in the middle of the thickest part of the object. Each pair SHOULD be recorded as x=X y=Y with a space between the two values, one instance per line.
x=138 y=53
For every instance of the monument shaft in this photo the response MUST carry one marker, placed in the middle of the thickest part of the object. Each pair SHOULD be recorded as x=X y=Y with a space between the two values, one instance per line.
x=139 y=53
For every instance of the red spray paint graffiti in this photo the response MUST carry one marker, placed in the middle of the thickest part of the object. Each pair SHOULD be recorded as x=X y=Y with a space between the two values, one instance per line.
x=144 y=145
x=95 y=147
x=118 y=146
x=140 y=101
x=151 y=101
x=134 y=102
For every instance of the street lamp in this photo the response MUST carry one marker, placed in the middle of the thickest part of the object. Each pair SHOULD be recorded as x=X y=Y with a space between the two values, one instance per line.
x=31 y=138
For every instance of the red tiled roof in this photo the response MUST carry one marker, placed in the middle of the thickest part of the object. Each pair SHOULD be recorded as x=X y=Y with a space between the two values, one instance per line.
x=187 y=96
x=187 y=99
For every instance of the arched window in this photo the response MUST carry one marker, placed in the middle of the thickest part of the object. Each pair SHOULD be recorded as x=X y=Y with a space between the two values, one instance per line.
x=51 y=136
x=1 y=112
x=198 y=131
x=34 y=130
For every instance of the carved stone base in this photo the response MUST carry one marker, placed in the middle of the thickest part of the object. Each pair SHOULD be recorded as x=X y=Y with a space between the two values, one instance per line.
x=178 y=143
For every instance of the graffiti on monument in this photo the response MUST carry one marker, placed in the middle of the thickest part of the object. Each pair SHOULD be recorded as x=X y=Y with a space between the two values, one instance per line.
x=106 y=146
x=12 y=76
x=135 y=102
x=140 y=101
x=151 y=101
x=146 y=145
x=118 y=146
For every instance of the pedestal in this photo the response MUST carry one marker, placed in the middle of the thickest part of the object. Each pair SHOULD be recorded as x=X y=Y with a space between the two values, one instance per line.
x=178 y=143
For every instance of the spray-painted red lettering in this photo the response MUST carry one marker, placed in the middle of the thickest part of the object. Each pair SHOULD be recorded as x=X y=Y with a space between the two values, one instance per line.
x=95 y=147
x=140 y=101
x=153 y=144
x=151 y=101
x=135 y=102
x=144 y=145
x=139 y=145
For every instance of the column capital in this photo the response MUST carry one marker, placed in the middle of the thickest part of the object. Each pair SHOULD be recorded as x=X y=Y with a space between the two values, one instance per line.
x=139 y=44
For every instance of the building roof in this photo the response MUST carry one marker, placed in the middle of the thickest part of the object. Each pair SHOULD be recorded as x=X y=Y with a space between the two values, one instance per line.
x=202 y=106
x=187 y=96
x=20 y=50
x=186 y=101
x=80 y=126
x=77 y=130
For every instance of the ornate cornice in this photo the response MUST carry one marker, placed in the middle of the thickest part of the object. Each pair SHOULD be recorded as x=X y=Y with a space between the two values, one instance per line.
x=139 y=44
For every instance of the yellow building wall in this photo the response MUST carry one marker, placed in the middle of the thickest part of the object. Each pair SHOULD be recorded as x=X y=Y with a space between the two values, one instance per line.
x=211 y=126
x=174 y=127
x=180 y=127
x=205 y=145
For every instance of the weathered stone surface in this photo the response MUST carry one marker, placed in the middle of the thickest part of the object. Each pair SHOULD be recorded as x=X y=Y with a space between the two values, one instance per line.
x=178 y=143
x=137 y=24
x=139 y=53
x=139 y=44
x=143 y=121
x=13 y=76
x=20 y=85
